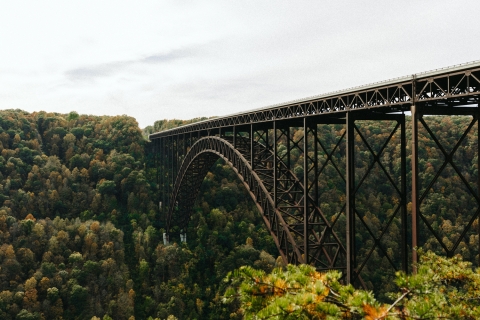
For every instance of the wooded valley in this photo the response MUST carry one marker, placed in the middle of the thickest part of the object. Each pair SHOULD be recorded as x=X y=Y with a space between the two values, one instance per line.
x=81 y=231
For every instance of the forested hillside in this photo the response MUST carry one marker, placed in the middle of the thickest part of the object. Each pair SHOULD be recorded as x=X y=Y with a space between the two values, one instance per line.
x=69 y=186
x=77 y=219
x=81 y=231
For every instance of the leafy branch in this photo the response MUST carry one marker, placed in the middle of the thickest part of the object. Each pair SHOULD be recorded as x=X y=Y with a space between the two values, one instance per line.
x=442 y=289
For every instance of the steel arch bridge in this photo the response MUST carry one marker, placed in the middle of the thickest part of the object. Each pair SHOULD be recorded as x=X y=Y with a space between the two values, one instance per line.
x=259 y=145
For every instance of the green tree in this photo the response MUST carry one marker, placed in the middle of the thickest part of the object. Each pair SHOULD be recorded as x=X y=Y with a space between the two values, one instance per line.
x=443 y=288
x=25 y=315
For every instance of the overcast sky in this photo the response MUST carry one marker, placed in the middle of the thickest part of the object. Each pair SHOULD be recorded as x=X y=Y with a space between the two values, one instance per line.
x=183 y=59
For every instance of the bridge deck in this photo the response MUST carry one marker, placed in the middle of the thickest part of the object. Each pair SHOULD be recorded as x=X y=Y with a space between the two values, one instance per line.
x=450 y=87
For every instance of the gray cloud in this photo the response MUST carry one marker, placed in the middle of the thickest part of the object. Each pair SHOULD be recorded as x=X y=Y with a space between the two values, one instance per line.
x=107 y=69
x=170 y=56
x=101 y=70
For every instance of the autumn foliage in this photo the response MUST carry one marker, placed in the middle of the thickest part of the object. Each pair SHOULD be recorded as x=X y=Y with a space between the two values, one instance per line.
x=442 y=289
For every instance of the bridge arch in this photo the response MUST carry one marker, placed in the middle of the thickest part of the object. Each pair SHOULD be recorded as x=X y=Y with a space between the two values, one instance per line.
x=199 y=159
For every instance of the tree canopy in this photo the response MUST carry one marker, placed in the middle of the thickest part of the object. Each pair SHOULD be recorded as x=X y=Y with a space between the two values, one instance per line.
x=81 y=229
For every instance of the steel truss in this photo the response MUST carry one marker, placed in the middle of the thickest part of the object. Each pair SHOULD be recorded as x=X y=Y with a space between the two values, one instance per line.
x=446 y=87
x=281 y=156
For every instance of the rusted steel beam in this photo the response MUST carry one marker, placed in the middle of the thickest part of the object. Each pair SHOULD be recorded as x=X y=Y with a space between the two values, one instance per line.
x=350 y=198
x=403 y=197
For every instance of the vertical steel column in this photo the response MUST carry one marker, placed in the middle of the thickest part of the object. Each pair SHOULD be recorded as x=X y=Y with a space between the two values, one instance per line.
x=163 y=157
x=158 y=167
x=350 y=195
x=156 y=145
x=161 y=168
x=177 y=149
x=165 y=178
x=478 y=175
x=287 y=133
x=403 y=200
x=156 y=159
x=267 y=144
x=235 y=137
x=160 y=174
x=315 y=163
x=415 y=189
x=251 y=146
x=172 y=181
x=305 y=192
x=275 y=156
x=190 y=142
x=184 y=146
x=180 y=143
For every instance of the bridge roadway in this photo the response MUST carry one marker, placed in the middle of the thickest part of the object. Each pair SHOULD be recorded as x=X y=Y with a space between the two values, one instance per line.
x=259 y=146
